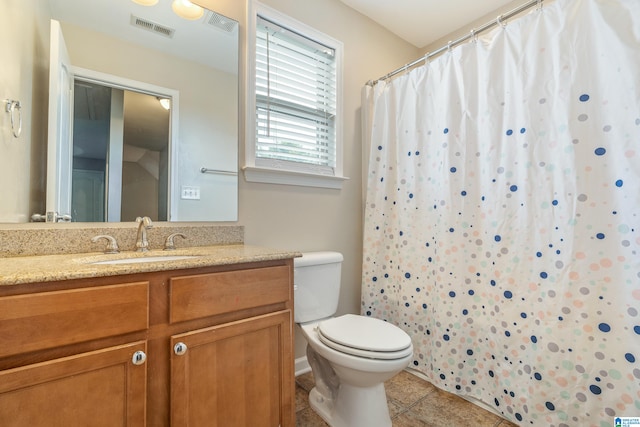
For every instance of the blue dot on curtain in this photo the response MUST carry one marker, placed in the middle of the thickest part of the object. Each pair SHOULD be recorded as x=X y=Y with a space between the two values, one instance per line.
x=604 y=327
x=584 y=98
x=600 y=151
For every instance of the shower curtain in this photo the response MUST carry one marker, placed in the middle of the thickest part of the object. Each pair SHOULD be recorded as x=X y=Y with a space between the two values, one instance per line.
x=502 y=214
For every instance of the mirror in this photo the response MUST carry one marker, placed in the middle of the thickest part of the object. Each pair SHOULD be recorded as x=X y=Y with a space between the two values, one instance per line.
x=196 y=61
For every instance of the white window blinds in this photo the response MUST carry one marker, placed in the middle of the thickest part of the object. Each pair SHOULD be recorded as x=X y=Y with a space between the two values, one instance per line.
x=295 y=101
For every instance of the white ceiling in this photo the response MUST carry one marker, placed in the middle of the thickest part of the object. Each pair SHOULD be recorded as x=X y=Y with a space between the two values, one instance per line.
x=421 y=22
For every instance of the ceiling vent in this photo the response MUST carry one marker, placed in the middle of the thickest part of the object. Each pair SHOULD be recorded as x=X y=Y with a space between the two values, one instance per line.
x=154 y=27
x=219 y=21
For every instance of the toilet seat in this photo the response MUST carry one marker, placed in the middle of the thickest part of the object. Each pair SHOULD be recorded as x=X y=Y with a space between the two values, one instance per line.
x=365 y=337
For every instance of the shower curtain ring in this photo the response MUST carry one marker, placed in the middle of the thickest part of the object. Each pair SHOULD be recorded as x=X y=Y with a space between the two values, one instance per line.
x=427 y=59
x=500 y=22
x=539 y=5
x=449 y=46
x=474 y=36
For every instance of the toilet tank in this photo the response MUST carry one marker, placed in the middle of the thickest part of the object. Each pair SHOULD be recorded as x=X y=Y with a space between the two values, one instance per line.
x=316 y=280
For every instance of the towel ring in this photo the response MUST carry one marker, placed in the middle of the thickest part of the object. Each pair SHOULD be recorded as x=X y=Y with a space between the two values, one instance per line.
x=11 y=107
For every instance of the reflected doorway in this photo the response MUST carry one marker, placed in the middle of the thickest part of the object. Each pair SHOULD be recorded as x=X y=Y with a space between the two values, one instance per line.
x=121 y=158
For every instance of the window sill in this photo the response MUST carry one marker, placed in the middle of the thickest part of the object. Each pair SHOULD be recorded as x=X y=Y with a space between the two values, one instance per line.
x=285 y=177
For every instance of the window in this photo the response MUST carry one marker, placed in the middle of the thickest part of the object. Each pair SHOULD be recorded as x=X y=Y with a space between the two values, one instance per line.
x=293 y=110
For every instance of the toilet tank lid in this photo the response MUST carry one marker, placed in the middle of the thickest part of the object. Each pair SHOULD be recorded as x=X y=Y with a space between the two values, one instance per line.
x=317 y=258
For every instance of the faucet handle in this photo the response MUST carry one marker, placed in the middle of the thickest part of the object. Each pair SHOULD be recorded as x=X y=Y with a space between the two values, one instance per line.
x=112 y=245
x=169 y=244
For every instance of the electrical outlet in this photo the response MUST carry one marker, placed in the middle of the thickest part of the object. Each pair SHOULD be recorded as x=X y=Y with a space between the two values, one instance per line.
x=190 y=193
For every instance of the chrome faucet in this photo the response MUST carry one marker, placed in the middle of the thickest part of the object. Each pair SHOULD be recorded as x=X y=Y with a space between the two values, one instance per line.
x=142 y=244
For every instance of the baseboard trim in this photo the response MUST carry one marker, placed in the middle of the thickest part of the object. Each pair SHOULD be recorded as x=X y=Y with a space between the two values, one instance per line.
x=302 y=365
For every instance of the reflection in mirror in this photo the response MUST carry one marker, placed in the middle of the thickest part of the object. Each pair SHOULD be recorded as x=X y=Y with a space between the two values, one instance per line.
x=106 y=36
x=120 y=154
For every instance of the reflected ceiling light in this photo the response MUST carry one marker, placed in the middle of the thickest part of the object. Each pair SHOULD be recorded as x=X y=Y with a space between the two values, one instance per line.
x=146 y=2
x=187 y=10
x=165 y=102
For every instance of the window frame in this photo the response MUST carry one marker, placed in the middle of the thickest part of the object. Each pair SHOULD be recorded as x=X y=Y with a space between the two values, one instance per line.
x=278 y=172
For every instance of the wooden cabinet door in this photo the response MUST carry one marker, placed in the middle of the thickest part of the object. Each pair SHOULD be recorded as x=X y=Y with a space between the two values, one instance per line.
x=235 y=375
x=98 y=388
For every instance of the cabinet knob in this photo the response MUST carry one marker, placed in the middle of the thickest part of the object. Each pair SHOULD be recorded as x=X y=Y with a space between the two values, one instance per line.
x=139 y=357
x=180 y=348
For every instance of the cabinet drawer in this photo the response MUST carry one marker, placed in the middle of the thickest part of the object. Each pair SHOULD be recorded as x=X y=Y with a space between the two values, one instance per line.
x=51 y=319
x=204 y=295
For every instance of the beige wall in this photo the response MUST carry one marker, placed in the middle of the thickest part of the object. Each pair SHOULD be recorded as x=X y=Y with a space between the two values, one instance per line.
x=309 y=219
x=24 y=77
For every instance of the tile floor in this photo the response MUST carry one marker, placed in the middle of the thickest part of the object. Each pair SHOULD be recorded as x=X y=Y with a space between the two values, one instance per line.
x=413 y=402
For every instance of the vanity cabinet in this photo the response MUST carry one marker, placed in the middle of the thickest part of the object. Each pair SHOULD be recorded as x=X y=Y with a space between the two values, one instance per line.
x=210 y=346
x=102 y=387
x=99 y=388
x=236 y=373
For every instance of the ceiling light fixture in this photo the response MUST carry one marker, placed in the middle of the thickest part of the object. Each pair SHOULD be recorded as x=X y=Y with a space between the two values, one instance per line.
x=146 y=2
x=187 y=10
x=165 y=102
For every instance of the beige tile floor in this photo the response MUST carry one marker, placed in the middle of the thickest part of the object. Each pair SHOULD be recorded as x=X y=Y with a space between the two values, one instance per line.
x=413 y=402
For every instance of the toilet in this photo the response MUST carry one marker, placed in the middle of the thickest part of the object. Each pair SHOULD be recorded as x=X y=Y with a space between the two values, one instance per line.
x=351 y=356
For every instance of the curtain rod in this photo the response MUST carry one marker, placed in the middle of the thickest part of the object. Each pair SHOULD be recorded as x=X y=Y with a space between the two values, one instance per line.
x=474 y=32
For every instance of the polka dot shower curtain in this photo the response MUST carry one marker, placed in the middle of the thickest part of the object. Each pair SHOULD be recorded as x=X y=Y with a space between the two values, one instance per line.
x=502 y=219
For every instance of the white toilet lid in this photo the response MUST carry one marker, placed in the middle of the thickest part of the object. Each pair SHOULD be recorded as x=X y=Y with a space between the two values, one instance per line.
x=365 y=337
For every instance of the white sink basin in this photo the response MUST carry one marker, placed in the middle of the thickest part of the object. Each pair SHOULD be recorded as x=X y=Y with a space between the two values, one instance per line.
x=138 y=260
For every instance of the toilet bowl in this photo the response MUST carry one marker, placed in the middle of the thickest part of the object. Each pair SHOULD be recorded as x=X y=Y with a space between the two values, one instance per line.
x=349 y=387
x=351 y=356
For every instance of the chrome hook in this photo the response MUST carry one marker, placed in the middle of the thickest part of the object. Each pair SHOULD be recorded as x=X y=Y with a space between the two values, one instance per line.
x=474 y=36
x=500 y=22
x=539 y=5
x=10 y=107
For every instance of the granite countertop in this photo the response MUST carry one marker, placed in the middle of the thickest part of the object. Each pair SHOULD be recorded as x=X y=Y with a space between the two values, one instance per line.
x=49 y=268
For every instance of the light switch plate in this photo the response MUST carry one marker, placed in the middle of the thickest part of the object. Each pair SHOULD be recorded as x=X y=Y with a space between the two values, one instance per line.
x=190 y=193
